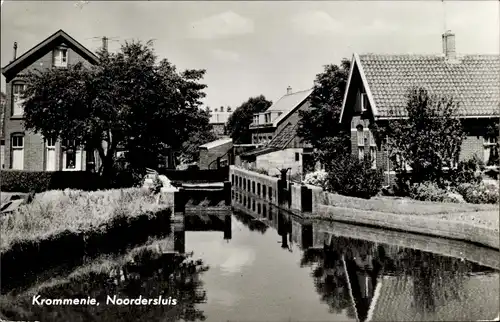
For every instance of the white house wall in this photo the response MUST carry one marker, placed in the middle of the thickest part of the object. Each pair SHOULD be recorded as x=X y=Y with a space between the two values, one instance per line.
x=280 y=159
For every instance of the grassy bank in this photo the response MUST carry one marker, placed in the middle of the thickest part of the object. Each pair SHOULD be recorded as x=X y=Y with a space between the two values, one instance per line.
x=403 y=206
x=74 y=211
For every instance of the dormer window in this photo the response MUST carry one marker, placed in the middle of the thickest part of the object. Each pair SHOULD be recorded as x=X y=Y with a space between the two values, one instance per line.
x=364 y=102
x=61 y=57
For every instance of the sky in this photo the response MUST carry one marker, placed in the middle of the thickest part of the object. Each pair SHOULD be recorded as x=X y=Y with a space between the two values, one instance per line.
x=254 y=48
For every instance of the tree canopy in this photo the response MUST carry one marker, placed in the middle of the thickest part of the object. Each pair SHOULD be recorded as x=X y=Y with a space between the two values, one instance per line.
x=319 y=125
x=428 y=140
x=128 y=99
x=239 y=122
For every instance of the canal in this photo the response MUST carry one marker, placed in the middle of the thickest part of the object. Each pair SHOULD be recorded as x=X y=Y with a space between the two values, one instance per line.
x=258 y=263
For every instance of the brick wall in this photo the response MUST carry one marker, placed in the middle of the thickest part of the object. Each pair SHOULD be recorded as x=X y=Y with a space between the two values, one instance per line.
x=208 y=156
x=33 y=143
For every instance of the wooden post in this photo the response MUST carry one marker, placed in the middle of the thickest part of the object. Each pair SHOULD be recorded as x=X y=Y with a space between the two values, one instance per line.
x=227 y=193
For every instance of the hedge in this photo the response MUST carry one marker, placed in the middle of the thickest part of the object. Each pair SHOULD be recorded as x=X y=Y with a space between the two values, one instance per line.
x=39 y=181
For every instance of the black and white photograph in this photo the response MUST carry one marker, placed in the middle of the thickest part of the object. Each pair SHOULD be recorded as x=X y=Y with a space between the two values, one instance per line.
x=249 y=161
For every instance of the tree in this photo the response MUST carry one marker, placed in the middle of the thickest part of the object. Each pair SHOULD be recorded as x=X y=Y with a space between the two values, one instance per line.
x=203 y=134
x=319 y=125
x=239 y=122
x=127 y=99
x=428 y=140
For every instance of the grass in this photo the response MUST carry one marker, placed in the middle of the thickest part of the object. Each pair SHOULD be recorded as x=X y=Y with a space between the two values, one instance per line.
x=55 y=211
x=404 y=206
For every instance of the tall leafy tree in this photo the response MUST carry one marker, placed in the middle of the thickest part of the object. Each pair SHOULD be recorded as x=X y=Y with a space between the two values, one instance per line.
x=203 y=134
x=429 y=139
x=128 y=99
x=319 y=125
x=239 y=122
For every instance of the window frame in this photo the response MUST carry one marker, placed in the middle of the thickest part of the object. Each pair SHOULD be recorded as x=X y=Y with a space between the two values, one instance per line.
x=489 y=143
x=17 y=99
x=17 y=135
x=362 y=102
x=297 y=157
x=61 y=60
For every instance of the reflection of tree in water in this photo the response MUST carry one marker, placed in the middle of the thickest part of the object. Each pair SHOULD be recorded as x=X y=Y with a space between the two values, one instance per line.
x=436 y=279
x=150 y=274
x=329 y=279
x=250 y=222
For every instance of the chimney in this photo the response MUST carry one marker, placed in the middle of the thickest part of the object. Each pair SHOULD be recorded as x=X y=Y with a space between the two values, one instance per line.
x=222 y=108
x=449 y=45
x=105 y=43
x=15 y=50
x=288 y=90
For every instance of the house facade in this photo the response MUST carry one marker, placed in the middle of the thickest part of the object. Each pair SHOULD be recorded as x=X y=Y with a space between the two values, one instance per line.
x=3 y=102
x=275 y=132
x=218 y=120
x=29 y=151
x=377 y=90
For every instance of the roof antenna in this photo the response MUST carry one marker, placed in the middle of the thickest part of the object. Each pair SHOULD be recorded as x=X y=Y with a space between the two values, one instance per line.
x=444 y=15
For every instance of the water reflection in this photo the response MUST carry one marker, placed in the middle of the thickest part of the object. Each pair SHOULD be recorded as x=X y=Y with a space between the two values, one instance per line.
x=373 y=281
x=147 y=273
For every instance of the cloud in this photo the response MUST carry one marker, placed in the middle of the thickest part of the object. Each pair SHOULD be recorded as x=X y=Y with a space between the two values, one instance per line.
x=226 y=24
x=316 y=22
x=225 y=55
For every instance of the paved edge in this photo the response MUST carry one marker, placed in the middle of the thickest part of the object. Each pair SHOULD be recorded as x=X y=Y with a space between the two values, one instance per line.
x=458 y=230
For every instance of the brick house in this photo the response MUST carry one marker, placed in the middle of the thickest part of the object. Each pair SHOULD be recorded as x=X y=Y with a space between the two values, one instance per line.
x=28 y=151
x=378 y=84
x=3 y=102
x=275 y=130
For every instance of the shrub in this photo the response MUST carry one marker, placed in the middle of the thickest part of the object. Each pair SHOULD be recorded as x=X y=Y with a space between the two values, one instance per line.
x=39 y=181
x=468 y=171
x=260 y=170
x=317 y=178
x=351 y=177
x=429 y=191
x=479 y=193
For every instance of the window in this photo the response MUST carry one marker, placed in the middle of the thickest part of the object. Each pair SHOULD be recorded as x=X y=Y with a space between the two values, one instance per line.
x=373 y=157
x=364 y=102
x=269 y=137
x=361 y=142
x=361 y=152
x=50 y=154
x=71 y=155
x=17 y=99
x=297 y=157
x=491 y=157
x=403 y=164
x=61 y=57
x=373 y=150
x=17 y=149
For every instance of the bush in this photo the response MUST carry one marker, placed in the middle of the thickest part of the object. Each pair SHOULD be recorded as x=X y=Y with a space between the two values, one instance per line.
x=39 y=181
x=468 y=171
x=317 y=178
x=429 y=191
x=479 y=193
x=351 y=177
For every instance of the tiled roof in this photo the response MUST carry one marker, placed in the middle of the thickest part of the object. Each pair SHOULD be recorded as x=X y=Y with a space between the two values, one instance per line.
x=397 y=300
x=287 y=103
x=472 y=80
x=281 y=140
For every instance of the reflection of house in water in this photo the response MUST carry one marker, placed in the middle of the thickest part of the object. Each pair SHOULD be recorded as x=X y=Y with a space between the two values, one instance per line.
x=200 y=222
x=259 y=214
x=382 y=275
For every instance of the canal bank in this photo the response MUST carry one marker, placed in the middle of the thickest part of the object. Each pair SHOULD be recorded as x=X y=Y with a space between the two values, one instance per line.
x=467 y=222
